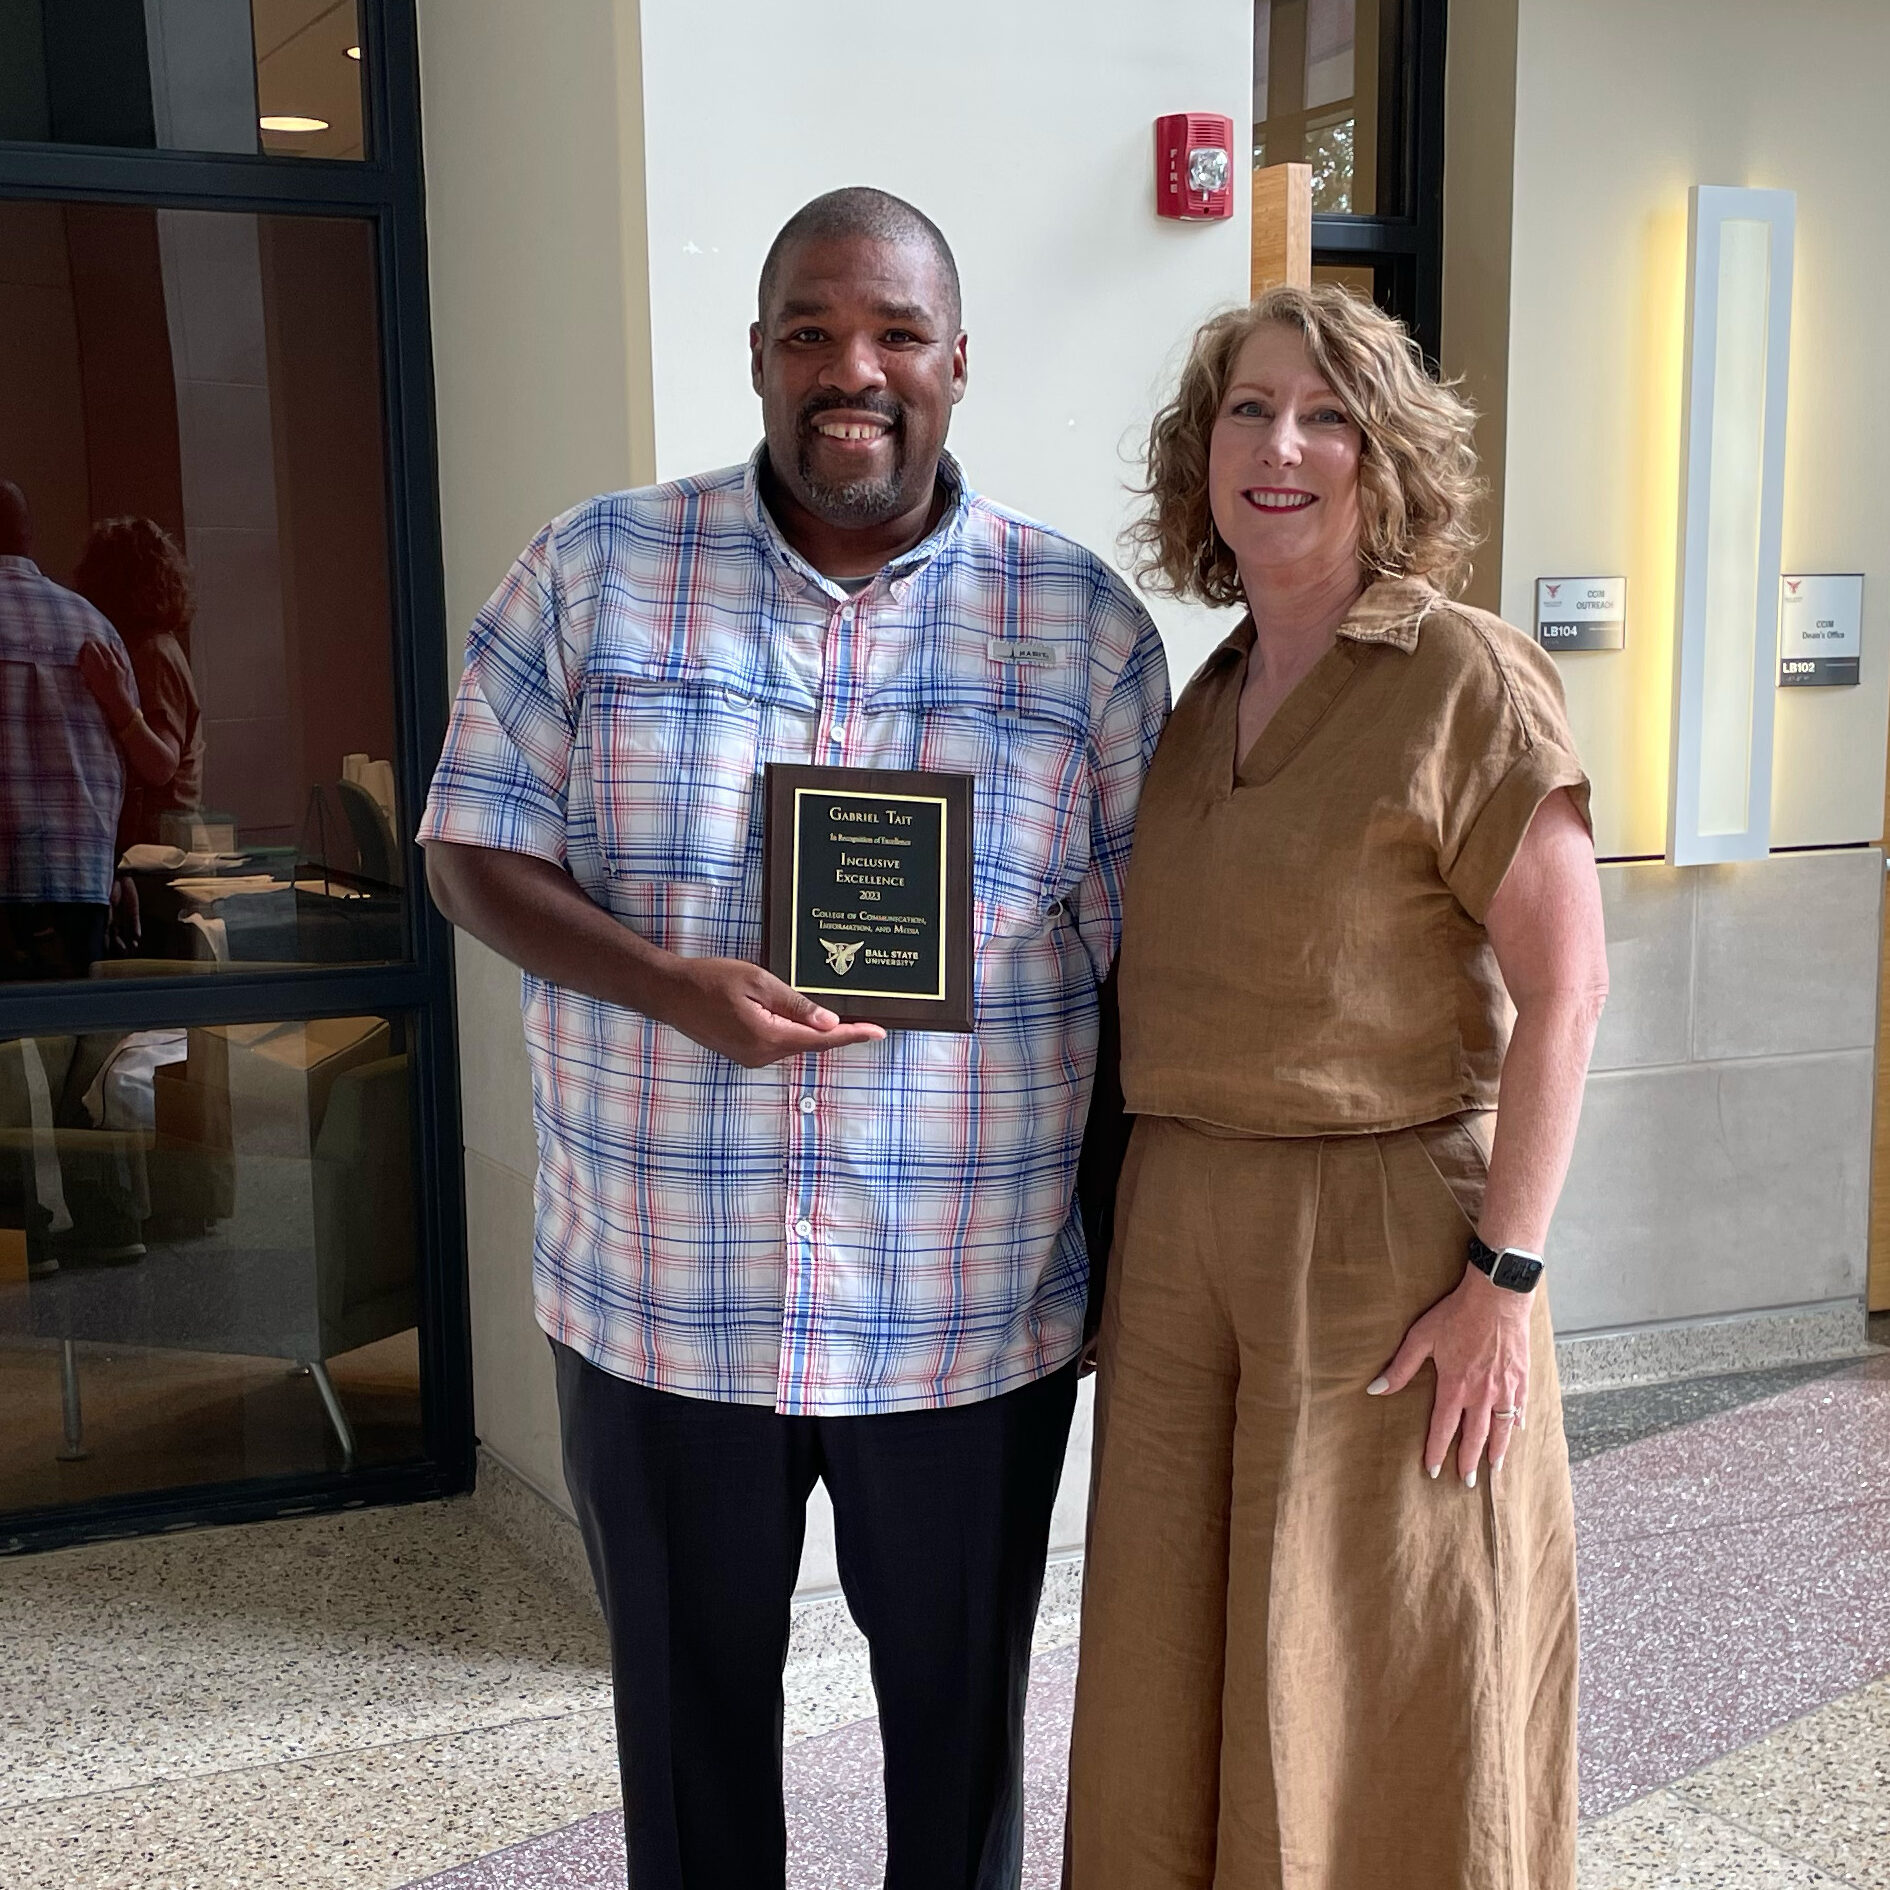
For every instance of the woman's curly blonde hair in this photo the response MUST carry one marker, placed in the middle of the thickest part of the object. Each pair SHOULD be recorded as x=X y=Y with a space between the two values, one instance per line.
x=1418 y=482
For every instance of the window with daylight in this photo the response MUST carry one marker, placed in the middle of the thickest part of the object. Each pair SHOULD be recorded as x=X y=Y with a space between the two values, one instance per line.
x=1354 y=89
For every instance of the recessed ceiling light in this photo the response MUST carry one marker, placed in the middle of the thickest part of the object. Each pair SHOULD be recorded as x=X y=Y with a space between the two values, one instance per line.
x=289 y=123
x=354 y=52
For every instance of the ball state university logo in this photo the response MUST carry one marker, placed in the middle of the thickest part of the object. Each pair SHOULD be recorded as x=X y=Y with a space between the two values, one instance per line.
x=840 y=957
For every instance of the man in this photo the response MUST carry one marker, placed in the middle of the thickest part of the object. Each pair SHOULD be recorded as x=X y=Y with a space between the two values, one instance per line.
x=61 y=778
x=772 y=1246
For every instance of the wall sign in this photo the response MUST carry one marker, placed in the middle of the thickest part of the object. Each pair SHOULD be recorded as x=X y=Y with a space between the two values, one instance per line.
x=1820 y=630
x=1581 y=613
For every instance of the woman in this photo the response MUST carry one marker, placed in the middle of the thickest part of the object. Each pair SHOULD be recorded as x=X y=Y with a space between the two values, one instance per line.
x=131 y=571
x=1311 y=1658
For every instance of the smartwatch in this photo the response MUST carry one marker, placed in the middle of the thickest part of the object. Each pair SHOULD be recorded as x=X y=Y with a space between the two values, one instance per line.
x=1514 y=1269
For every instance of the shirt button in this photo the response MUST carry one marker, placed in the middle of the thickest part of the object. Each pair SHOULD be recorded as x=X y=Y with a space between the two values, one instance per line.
x=803 y=1228
x=838 y=733
x=807 y=1105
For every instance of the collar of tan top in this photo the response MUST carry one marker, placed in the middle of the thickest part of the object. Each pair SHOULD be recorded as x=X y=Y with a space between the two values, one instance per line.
x=1389 y=610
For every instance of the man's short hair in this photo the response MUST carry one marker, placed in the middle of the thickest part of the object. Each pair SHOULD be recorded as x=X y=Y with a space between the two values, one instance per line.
x=859 y=210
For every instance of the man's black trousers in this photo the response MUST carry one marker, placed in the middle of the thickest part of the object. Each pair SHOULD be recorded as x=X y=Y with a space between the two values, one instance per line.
x=693 y=1513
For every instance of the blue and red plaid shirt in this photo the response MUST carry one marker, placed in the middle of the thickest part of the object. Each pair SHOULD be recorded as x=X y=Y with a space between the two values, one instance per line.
x=61 y=777
x=884 y=1227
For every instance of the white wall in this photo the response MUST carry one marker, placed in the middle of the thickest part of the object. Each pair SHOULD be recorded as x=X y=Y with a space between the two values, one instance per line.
x=1619 y=107
x=1027 y=134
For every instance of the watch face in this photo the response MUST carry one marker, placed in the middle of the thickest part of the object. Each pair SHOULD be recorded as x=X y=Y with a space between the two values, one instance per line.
x=1517 y=1271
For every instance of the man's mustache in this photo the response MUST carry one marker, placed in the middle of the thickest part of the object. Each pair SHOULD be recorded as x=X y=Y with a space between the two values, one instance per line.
x=882 y=406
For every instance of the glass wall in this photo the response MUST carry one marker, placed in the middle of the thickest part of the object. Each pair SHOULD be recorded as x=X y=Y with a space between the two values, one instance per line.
x=190 y=416
x=207 y=1255
x=275 y=76
x=231 y=1246
x=1354 y=90
x=1318 y=98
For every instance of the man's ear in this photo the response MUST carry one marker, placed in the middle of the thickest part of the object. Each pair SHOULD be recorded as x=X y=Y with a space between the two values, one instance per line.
x=754 y=355
x=960 y=366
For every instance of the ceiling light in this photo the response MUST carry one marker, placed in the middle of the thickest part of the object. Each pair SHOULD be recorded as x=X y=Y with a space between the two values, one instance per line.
x=287 y=122
x=354 y=52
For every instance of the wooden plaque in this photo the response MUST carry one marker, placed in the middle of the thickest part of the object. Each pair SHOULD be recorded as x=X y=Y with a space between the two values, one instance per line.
x=867 y=892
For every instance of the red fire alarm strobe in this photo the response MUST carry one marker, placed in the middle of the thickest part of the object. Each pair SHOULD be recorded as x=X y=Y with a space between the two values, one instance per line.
x=1194 y=165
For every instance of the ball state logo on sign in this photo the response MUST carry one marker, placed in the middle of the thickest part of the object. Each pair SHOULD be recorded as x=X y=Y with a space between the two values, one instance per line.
x=840 y=957
x=1820 y=630
x=1581 y=613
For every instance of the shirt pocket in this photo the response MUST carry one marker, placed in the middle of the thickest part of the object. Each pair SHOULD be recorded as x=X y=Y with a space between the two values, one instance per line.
x=1031 y=794
x=673 y=762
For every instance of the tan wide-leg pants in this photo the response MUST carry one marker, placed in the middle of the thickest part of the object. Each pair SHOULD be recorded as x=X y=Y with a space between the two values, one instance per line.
x=1305 y=1664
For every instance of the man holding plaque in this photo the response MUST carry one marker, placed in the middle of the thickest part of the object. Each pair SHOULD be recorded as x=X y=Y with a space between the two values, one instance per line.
x=779 y=1241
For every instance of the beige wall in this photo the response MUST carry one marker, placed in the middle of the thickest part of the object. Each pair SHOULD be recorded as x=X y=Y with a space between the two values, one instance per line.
x=534 y=156
x=1480 y=122
x=1619 y=107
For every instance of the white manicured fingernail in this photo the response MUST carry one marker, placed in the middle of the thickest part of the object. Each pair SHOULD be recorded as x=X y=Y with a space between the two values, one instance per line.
x=1470 y=1482
x=1496 y=1463
x=1435 y=1468
x=1378 y=1387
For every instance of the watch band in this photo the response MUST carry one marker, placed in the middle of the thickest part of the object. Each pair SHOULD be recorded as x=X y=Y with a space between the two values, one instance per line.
x=1514 y=1269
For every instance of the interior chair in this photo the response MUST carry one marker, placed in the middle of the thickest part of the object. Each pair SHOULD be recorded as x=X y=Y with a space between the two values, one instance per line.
x=309 y=1255
x=373 y=834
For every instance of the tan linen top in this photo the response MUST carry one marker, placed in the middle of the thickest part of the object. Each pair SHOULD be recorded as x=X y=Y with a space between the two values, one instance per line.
x=1303 y=950
x=167 y=698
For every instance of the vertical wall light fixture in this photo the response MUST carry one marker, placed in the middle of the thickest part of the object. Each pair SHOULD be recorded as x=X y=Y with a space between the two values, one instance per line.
x=1739 y=319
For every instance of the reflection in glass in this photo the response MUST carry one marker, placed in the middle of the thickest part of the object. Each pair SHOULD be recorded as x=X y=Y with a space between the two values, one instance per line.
x=1318 y=98
x=1360 y=279
x=196 y=674
x=275 y=76
x=206 y=1256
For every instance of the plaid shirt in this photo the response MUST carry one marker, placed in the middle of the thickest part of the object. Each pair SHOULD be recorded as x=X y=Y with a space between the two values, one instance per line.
x=61 y=779
x=888 y=1226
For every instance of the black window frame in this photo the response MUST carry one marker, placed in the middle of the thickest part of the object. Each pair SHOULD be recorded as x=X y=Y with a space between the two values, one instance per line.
x=385 y=189
x=1405 y=252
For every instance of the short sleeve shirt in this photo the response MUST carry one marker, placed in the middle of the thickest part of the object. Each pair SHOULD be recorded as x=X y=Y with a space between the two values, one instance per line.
x=61 y=778
x=890 y=1226
x=1303 y=948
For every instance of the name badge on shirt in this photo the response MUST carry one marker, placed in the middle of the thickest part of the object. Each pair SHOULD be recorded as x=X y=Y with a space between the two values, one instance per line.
x=1020 y=650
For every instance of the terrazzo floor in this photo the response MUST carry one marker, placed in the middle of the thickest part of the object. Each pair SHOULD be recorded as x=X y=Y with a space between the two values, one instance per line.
x=395 y=1697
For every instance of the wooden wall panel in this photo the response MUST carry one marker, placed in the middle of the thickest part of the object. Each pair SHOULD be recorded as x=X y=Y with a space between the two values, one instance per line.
x=1282 y=226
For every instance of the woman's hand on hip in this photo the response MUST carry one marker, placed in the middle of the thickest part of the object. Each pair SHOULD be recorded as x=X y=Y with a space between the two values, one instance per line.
x=1478 y=1339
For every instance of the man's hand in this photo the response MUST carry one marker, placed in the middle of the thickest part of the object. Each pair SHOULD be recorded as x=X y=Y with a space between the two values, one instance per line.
x=108 y=675
x=537 y=915
x=750 y=1016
